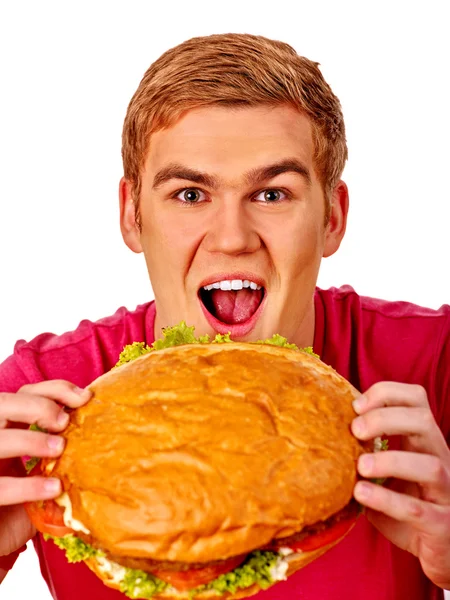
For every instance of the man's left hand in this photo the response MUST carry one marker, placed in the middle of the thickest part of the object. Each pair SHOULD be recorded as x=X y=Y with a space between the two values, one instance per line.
x=412 y=509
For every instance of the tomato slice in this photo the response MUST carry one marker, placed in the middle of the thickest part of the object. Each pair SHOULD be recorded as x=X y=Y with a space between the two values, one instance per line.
x=323 y=538
x=47 y=517
x=188 y=580
x=326 y=532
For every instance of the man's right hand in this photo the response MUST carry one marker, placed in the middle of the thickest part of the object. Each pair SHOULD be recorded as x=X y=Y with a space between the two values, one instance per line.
x=43 y=404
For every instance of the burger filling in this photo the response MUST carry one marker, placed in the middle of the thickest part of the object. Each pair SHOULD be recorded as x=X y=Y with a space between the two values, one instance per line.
x=232 y=302
x=143 y=578
x=309 y=538
x=262 y=568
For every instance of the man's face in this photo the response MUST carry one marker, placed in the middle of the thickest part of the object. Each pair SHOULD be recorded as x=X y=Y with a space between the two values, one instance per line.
x=230 y=199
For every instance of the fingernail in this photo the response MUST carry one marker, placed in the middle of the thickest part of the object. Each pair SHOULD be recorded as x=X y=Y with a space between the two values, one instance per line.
x=52 y=485
x=358 y=426
x=365 y=464
x=63 y=419
x=83 y=392
x=359 y=403
x=55 y=442
x=362 y=490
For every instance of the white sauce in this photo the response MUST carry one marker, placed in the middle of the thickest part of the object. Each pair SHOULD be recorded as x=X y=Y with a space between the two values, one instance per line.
x=279 y=570
x=285 y=551
x=114 y=571
x=69 y=521
x=173 y=591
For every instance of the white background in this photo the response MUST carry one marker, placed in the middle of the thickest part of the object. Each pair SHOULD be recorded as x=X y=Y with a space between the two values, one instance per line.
x=68 y=71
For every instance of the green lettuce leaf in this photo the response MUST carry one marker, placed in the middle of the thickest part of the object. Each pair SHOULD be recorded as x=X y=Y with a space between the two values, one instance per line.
x=222 y=338
x=135 y=584
x=178 y=335
x=131 y=352
x=35 y=427
x=139 y=584
x=278 y=340
x=181 y=334
x=256 y=569
x=32 y=461
x=384 y=445
x=76 y=550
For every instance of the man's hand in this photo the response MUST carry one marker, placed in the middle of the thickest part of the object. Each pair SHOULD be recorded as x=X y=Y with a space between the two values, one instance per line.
x=42 y=404
x=412 y=509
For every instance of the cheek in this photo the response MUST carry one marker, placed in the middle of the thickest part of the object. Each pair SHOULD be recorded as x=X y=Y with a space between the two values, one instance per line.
x=297 y=245
x=169 y=241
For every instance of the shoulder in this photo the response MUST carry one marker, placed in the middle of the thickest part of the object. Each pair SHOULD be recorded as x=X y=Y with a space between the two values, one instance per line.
x=343 y=307
x=369 y=340
x=80 y=355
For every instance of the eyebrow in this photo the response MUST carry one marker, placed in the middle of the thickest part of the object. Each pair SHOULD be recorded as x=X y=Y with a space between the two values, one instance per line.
x=289 y=165
x=252 y=177
x=177 y=171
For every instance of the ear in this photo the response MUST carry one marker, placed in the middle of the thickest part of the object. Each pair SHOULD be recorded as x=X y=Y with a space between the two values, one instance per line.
x=337 y=223
x=128 y=225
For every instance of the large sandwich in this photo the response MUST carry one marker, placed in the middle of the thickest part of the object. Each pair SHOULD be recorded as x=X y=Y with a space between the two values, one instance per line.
x=202 y=468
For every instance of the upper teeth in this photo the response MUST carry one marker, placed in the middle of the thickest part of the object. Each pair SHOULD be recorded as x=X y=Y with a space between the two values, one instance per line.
x=232 y=284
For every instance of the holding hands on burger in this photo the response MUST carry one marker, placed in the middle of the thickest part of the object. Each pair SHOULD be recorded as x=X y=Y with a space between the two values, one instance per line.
x=412 y=509
x=44 y=404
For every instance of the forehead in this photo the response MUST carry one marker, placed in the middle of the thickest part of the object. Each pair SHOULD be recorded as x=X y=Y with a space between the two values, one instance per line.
x=229 y=141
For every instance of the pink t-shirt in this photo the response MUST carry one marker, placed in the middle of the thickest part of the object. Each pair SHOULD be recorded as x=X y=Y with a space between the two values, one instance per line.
x=364 y=339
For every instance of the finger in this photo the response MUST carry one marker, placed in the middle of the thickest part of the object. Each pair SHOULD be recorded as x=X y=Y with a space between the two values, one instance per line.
x=423 y=515
x=19 y=442
x=394 y=530
x=417 y=423
x=30 y=408
x=16 y=490
x=424 y=469
x=22 y=529
x=64 y=392
x=388 y=393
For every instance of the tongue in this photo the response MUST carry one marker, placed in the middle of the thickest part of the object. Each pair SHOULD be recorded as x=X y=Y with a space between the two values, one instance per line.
x=235 y=306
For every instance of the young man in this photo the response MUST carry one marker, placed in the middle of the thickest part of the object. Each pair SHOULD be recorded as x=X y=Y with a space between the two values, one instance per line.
x=233 y=149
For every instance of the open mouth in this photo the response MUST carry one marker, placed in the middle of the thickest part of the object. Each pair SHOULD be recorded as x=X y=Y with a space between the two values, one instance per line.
x=232 y=304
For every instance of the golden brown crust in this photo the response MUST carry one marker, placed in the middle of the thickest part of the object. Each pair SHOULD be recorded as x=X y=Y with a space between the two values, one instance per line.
x=197 y=453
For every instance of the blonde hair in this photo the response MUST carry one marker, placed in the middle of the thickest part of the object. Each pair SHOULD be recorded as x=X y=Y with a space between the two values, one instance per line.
x=234 y=70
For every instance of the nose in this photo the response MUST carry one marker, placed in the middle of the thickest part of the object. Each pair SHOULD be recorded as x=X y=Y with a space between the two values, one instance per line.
x=232 y=230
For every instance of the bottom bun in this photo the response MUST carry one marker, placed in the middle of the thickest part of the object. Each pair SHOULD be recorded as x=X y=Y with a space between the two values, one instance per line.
x=296 y=562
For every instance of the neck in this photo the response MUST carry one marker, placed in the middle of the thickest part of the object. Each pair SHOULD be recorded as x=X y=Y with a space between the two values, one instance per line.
x=304 y=335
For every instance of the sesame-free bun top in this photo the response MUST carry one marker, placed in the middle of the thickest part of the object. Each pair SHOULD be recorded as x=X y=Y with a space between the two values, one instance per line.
x=201 y=452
